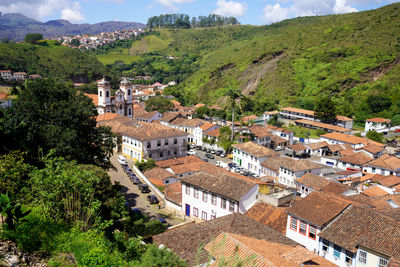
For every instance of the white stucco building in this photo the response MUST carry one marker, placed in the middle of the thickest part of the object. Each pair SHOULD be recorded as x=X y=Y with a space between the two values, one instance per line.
x=207 y=197
x=376 y=124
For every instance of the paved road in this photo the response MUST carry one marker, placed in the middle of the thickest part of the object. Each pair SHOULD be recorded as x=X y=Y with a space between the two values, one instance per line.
x=201 y=154
x=134 y=197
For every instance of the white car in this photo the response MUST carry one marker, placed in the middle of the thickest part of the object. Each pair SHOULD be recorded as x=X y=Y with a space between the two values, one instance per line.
x=121 y=160
x=191 y=152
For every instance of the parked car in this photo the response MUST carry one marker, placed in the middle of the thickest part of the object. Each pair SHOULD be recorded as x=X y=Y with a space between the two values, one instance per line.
x=191 y=152
x=152 y=199
x=144 y=188
x=232 y=164
x=227 y=168
x=198 y=147
x=205 y=160
x=218 y=152
x=208 y=150
x=209 y=156
x=212 y=151
x=223 y=155
x=124 y=166
x=203 y=148
x=128 y=170
x=136 y=180
x=131 y=175
x=230 y=156
x=192 y=146
x=121 y=160
x=221 y=164
x=237 y=170
x=397 y=131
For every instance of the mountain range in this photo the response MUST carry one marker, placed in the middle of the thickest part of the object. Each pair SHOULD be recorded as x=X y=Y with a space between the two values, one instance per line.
x=15 y=26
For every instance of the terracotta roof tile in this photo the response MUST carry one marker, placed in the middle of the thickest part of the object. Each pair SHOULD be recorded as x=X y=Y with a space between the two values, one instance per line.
x=359 y=158
x=373 y=149
x=206 y=125
x=186 y=241
x=157 y=175
x=315 y=146
x=107 y=116
x=313 y=181
x=255 y=149
x=186 y=122
x=351 y=139
x=361 y=226
x=388 y=181
x=299 y=164
x=213 y=133
x=375 y=191
x=274 y=217
x=378 y=120
x=152 y=131
x=249 y=118
x=94 y=98
x=334 y=188
x=173 y=192
x=259 y=131
x=323 y=125
x=387 y=162
x=324 y=208
x=228 y=186
x=297 y=147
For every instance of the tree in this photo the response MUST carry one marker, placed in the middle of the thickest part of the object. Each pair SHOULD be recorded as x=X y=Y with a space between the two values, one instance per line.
x=274 y=121
x=50 y=115
x=201 y=111
x=33 y=38
x=375 y=136
x=325 y=110
x=155 y=257
x=145 y=165
x=75 y=42
x=160 y=104
x=378 y=103
x=232 y=95
x=395 y=120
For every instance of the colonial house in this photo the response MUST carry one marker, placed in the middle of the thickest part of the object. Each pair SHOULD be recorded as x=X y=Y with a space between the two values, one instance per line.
x=376 y=124
x=148 y=116
x=310 y=182
x=160 y=177
x=321 y=126
x=292 y=169
x=187 y=126
x=6 y=75
x=309 y=216
x=361 y=236
x=20 y=76
x=153 y=140
x=199 y=132
x=206 y=197
x=282 y=133
x=348 y=139
x=250 y=156
x=168 y=117
x=270 y=166
x=266 y=116
x=354 y=161
x=373 y=151
x=260 y=135
x=385 y=165
x=299 y=114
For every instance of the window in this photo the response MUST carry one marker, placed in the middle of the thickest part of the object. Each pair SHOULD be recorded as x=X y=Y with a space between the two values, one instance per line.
x=336 y=251
x=166 y=142
x=293 y=223
x=101 y=93
x=303 y=228
x=349 y=257
x=382 y=262
x=214 y=199
x=175 y=152
x=150 y=156
x=158 y=142
x=175 y=141
x=107 y=94
x=129 y=112
x=312 y=232
x=195 y=212
x=362 y=257
x=169 y=153
x=223 y=203
x=231 y=206
x=373 y=169
x=129 y=92
x=325 y=245
x=161 y=154
x=196 y=193
x=149 y=144
x=204 y=196
x=212 y=217
x=204 y=215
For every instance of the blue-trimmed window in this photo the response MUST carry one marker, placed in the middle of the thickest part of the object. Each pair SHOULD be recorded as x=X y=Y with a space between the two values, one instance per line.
x=336 y=251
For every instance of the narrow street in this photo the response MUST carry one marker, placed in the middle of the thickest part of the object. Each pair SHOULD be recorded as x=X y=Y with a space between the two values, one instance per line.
x=134 y=197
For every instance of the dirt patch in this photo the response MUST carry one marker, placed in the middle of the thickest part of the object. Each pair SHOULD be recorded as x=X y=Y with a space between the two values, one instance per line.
x=382 y=69
x=218 y=72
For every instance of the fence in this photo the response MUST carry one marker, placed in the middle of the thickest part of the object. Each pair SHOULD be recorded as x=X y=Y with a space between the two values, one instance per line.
x=152 y=186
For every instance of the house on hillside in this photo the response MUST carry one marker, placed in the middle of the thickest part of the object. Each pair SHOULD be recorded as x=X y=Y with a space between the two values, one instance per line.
x=376 y=124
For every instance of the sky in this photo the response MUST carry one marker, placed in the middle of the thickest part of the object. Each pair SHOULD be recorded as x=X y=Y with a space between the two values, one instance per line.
x=254 y=12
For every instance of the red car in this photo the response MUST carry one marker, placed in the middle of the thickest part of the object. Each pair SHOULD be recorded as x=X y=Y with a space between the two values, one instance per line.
x=397 y=131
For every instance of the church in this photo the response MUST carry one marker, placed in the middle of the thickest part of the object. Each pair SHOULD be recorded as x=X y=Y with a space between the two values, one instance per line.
x=120 y=103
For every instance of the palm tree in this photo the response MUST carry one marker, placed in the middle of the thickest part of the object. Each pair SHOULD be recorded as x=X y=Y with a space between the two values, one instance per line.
x=233 y=94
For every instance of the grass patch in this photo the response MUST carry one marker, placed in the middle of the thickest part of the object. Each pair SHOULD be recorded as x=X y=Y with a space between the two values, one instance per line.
x=302 y=132
x=148 y=44
x=122 y=55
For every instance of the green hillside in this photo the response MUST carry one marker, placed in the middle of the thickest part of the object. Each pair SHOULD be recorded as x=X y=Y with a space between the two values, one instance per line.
x=352 y=58
x=50 y=61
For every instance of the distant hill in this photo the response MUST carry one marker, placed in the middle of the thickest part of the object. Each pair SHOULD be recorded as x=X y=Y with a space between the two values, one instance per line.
x=15 y=26
x=353 y=58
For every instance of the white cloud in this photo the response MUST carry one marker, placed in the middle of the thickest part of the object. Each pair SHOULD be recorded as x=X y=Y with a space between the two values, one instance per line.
x=72 y=14
x=299 y=8
x=230 y=8
x=171 y=4
x=39 y=9
x=275 y=13
x=341 y=7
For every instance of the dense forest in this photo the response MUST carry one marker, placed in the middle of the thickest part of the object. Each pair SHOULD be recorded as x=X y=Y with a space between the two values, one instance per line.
x=184 y=21
x=50 y=60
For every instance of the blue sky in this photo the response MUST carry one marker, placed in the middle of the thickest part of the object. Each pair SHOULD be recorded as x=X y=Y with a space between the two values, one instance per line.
x=255 y=12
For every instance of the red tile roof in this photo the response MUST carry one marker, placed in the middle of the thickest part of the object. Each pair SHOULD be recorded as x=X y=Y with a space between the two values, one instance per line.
x=375 y=191
x=313 y=181
x=274 y=217
x=255 y=149
x=173 y=193
x=378 y=120
x=387 y=162
x=94 y=98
